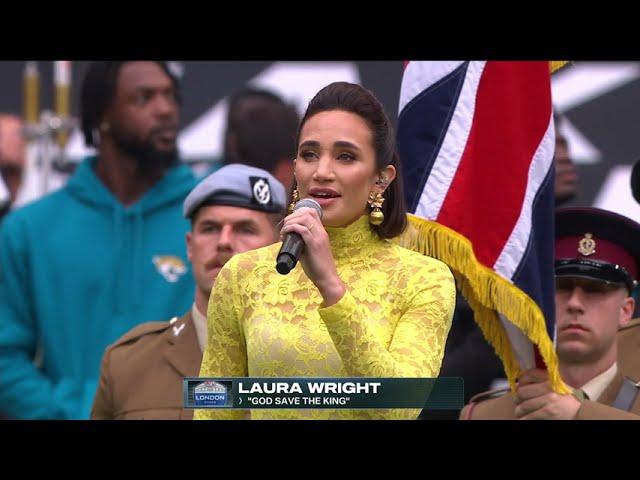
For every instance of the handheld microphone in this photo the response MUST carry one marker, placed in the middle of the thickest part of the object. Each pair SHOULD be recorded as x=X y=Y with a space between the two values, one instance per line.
x=293 y=244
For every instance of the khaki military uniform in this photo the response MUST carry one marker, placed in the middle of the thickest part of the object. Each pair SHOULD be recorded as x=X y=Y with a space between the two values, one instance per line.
x=500 y=405
x=629 y=349
x=141 y=374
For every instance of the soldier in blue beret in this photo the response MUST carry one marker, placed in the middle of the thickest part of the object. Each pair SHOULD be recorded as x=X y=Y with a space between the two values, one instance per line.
x=233 y=210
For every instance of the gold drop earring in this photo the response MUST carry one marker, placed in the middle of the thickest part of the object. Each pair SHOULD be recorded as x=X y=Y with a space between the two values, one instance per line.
x=376 y=217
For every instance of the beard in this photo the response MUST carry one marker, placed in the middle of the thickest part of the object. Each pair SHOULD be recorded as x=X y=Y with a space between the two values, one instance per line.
x=151 y=161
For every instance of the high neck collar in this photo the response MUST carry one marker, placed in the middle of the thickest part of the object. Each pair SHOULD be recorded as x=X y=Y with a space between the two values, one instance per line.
x=345 y=241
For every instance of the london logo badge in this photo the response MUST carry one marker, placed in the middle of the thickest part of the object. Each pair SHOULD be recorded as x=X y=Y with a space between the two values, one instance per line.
x=210 y=394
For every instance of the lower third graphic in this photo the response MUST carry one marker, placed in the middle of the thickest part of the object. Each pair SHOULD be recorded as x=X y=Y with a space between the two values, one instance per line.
x=212 y=394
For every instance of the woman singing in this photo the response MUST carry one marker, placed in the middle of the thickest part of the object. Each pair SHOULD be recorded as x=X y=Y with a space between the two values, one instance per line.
x=356 y=305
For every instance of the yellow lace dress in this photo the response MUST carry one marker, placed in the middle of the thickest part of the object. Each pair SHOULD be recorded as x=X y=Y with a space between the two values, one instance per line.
x=393 y=321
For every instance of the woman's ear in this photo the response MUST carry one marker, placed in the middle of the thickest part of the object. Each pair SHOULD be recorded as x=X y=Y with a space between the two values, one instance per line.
x=387 y=175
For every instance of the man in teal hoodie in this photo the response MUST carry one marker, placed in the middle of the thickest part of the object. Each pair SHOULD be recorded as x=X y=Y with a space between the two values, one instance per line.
x=83 y=265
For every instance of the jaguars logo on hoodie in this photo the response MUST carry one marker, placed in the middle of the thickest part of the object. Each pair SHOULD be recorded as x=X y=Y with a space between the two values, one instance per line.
x=170 y=267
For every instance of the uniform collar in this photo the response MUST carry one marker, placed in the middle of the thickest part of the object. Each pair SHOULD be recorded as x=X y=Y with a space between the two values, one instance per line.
x=184 y=353
x=595 y=387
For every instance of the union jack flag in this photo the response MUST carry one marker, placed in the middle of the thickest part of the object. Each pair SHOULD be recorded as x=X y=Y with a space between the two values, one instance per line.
x=476 y=139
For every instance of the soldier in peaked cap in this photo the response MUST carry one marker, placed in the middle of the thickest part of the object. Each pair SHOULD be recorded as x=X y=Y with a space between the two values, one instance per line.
x=597 y=260
x=233 y=210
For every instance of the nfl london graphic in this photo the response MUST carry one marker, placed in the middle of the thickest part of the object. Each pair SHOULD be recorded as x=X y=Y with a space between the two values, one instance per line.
x=212 y=394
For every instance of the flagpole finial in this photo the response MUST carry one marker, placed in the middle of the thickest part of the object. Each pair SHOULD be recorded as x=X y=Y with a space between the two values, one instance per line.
x=557 y=65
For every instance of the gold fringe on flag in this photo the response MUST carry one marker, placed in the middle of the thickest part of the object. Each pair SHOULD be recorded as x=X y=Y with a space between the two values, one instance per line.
x=487 y=293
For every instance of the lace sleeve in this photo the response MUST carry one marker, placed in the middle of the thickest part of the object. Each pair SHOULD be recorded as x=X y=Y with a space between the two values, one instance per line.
x=226 y=352
x=417 y=345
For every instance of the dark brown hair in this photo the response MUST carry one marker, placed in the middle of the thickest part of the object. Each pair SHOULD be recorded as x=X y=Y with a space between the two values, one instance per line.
x=355 y=99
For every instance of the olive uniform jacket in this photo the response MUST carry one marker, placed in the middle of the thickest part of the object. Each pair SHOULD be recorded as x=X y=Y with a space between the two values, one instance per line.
x=500 y=404
x=141 y=374
x=629 y=349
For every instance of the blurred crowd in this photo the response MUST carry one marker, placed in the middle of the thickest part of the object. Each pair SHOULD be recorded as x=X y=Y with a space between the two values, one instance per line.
x=82 y=268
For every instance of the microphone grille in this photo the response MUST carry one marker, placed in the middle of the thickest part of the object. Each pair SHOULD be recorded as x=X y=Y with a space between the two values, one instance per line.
x=309 y=203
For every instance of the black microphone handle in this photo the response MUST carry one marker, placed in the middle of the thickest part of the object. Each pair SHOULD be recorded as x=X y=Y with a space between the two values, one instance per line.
x=291 y=249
